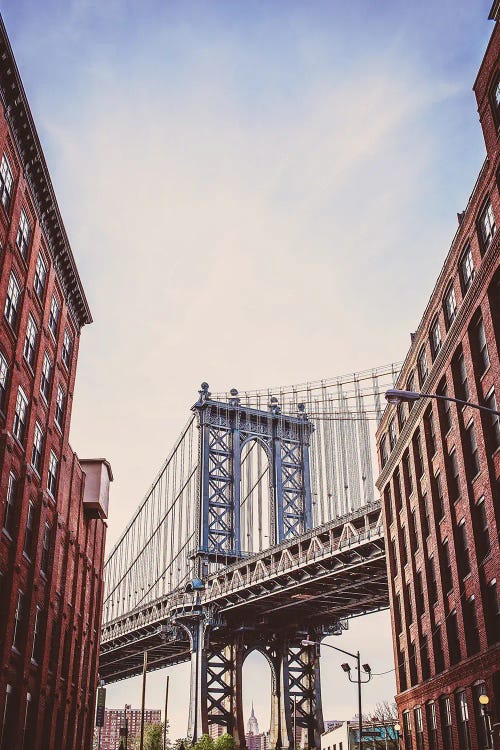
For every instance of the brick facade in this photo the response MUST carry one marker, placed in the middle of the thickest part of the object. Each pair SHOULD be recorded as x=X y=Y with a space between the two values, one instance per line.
x=52 y=531
x=440 y=478
x=114 y=720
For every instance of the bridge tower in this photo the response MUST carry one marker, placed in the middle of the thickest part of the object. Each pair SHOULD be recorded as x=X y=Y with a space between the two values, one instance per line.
x=218 y=648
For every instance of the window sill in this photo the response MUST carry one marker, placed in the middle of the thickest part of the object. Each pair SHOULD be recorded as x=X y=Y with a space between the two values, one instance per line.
x=495 y=452
x=484 y=373
x=27 y=557
x=485 y=559
x=15 y=650
x=478 y=474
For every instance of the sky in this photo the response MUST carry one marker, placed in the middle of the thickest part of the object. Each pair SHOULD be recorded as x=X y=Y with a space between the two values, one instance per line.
x=256 y=193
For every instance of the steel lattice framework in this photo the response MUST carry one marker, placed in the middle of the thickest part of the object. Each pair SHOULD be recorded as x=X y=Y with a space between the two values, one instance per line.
x=264 y=507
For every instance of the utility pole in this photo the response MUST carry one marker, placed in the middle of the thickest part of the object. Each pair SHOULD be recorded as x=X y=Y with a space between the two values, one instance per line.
x=144 y=669
x=165 y=716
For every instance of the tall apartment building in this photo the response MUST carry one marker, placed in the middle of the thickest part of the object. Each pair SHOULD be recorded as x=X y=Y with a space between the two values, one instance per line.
x=114 y=720
x=439 y=480
x=52 y=505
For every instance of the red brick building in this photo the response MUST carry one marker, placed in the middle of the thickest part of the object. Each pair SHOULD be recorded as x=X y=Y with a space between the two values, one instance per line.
x=52 y=505
x=440 y=469
x=114 y=720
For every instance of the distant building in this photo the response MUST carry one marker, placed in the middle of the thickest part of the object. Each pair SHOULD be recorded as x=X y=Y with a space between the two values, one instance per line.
x=255 y=739
x=114 y=720
x=216 y=730
x=344 y=735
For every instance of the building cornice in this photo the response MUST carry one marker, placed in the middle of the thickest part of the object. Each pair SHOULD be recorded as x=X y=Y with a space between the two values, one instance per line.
x=22 y=126
x=450 y=343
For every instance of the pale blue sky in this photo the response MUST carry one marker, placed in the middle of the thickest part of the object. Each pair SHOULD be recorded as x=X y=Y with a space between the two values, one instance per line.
x=256 y=193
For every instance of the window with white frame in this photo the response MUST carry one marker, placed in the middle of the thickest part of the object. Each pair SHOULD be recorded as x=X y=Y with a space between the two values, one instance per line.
x=487 y=226
x=494 y=427
x=40 y=277
x=480 y=344
x=4 y=369
x=54 y=316
x=37 y=635
x=6 y=182
x=30 y=341
x=12 y=301
x=450 y=306
x=52 y=474
x=66 y=348
x=9 y=520
x=435 y=337
x=59 y=410
x=466 y=268
x=463 y=720
x=495 y=100
x=45 y=376
x=23 y=234
x=392 y=433
x=20 y=414
x=36 y=454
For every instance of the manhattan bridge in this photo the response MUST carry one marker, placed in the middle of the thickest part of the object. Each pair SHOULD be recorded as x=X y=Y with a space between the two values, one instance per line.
x=262 y=529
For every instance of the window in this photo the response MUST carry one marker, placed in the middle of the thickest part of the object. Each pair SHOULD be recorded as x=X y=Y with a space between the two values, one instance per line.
x=45 y=377
x=460 y=372
x=419 y=593
x=398 y=500
x=410 y=608
x=29 y=717
x=7 y=735
x=446 y=722
x=431 y=725
x=30 y=342
x=431 y=582
x=66 y=349
x=9 y=521
x=407 y=730
x=431 y=432
x=44 y=562
x=404 y=547
x=466 y=269
x=407 y=471
x=462 y=550
x=397 y=615
x=394 y=556
x=388 y=504
x=419 y=728
x=450 y=306
x=444 y=407
x=422 y=366
x=403 y=683
x=392 y=433
x=52 y=474
x=28 y=534
x=447 y=575
x=480 y=347
x=36 y=652
x=40 y=277
x=382 y=451
x=440 y=507
x=414 y=530
x=412 y=659
x=470 y=626
x=426 y=526
x=18 y=621
x=494 y=427
x=12 y=301
x=454 y=482
x=487 y=226
x=401 y=412
x=23 y=234
x=437 y=643
x=435 y=338
x=417 y=447
x=6 y=182
x=59 y=410
x=492 y=612
x=453 y=639
x=471 y=450
x=36 y=455
x=54 y=316
x=424 y=658
x=410 y=386
x=4 y=369
x=463 y=720
x=481 y=529
x=20 y=414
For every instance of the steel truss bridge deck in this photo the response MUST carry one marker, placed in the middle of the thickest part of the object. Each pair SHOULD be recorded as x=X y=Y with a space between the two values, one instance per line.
x=322 y=577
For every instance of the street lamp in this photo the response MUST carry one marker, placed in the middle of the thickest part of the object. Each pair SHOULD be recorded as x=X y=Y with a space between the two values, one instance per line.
x=347 y=668
x=397 y=729
x=484 y=700
x=395 y=396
